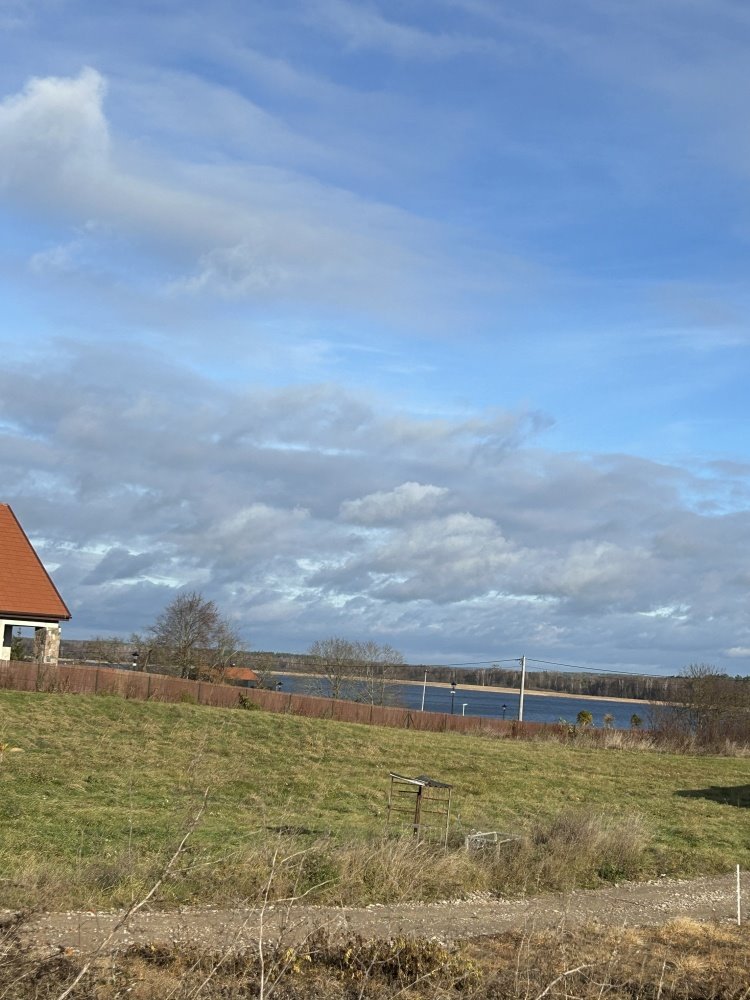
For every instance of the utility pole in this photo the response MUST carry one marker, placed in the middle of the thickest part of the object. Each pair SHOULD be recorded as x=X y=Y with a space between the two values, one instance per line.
x=523 y=688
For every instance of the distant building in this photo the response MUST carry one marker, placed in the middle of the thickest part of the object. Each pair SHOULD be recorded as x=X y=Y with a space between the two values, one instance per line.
x=242 y=676
x=28 y=597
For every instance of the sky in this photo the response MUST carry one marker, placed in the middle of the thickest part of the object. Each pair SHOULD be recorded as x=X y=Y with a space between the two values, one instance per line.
x=423 y=323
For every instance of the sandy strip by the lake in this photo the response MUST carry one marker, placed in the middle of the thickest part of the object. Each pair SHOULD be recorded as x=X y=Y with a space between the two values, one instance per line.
x=491 y=688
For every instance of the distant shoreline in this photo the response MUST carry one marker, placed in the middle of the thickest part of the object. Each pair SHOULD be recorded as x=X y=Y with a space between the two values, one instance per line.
x=535 y=691
x=495 y=690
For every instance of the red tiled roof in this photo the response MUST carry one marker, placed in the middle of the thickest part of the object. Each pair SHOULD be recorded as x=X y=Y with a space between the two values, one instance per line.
x=26 y=590
x=241 y=674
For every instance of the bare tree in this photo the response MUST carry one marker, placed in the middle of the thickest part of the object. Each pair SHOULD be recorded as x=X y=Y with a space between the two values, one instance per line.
x=335 y=662
x=376 y=665
x=264 y=665
x=224 y=651
x=142 y=651
x=357 y=670
x=718 y=705
x=192 y=634
x=707 y=707
x=105 y=649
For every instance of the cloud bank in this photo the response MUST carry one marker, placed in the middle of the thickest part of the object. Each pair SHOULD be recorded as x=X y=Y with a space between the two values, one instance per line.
x=306 y=511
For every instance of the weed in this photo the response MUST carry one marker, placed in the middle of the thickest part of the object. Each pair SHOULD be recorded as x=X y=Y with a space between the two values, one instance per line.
x=682 y=960
x=247 y=703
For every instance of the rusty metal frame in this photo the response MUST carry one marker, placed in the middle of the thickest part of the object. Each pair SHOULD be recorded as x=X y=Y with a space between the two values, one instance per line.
x=418 y=798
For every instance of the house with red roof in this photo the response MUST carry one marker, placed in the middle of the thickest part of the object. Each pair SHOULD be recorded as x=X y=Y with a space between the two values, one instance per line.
x=242 y=676
x=28 y=597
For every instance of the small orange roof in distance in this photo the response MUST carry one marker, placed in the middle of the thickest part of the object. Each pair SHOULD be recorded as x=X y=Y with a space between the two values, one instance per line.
x=26 y=590
x=241 y=674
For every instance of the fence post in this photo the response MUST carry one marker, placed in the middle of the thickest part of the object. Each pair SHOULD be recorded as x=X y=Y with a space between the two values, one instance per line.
x=148 y=686
x=739 y=897
x=198 y=692
x=96 y=680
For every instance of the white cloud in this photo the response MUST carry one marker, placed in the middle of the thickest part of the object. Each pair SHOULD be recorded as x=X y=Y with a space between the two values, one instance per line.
x=409 y=500
x=54 y=131
x=57 y=259
x=239 y=229
x=364 y=27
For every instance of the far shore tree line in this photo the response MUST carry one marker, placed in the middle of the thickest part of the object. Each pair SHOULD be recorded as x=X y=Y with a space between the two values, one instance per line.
x=192 y=639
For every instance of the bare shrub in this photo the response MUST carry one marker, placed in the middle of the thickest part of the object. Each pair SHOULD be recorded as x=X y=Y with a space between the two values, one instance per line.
x=580 y=843
x=682 y=960
x=623 y=739
x=396 y=869
x=577 y=847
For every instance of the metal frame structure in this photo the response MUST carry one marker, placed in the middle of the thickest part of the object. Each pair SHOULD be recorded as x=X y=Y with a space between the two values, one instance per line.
x=418 y=798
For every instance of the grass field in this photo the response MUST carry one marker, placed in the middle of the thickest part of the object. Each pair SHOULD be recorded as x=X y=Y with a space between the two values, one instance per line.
x=104 y=788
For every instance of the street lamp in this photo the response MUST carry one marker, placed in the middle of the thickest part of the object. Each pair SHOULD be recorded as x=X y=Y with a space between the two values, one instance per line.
x=453 y=695
x=505 y=709
x=278 y=685
x=135 y=659
x=463 y=707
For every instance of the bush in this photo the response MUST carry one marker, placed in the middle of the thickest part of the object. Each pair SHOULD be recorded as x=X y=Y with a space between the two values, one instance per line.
x=575 y=848
x=246 y=702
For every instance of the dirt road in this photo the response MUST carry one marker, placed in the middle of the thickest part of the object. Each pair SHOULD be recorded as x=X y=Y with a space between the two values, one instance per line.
x=711 y=898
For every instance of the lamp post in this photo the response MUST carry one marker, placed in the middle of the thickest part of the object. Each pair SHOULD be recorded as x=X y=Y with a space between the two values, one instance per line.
x=505 y=709
x=278 y=685
x=463 y=707
x=453 y=695
x=135 y=659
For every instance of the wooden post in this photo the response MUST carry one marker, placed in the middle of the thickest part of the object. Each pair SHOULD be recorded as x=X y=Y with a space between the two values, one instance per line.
x=739 y=903
x=418 y=813
x=448 y=817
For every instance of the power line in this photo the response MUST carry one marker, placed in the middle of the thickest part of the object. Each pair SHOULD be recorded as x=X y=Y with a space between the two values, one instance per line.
x=596 y=670
x=469 y=663
x=550 y=663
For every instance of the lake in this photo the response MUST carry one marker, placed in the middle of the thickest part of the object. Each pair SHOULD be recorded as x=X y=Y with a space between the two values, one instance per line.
x=491 y=704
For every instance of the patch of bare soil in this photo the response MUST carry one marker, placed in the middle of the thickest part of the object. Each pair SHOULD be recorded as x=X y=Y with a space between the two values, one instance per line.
x=632 y=904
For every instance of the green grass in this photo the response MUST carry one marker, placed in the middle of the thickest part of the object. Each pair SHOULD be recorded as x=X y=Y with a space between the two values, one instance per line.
x=104 y=788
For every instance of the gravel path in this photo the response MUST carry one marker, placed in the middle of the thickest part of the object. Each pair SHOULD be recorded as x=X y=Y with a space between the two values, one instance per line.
x=712 y=898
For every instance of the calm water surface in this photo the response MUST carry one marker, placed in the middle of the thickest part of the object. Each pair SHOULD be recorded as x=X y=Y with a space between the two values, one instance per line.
x=491 y=704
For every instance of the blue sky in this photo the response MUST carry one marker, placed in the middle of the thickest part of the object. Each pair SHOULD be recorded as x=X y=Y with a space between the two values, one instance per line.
x=419 y=322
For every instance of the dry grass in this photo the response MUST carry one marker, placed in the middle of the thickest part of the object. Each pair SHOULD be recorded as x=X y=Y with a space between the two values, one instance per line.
x=683 y=960
x=576 y=848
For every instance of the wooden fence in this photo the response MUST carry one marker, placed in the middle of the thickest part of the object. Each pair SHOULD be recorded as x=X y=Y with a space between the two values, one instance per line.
x=69 y=679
